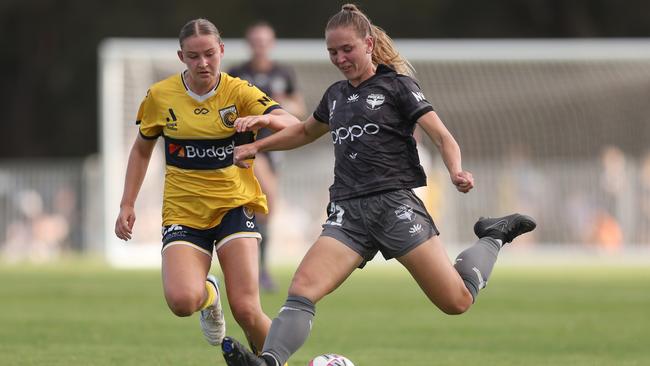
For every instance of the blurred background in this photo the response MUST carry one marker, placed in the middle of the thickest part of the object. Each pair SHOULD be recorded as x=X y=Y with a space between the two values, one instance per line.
x=547 y=98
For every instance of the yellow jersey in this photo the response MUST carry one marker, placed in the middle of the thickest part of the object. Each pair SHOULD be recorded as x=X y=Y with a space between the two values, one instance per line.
x=201 y=182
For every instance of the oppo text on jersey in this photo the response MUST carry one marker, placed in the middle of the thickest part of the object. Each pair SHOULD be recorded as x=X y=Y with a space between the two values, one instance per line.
x=352 y=132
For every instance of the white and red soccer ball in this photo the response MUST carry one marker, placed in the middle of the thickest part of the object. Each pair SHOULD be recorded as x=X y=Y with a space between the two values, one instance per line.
x=330 y=359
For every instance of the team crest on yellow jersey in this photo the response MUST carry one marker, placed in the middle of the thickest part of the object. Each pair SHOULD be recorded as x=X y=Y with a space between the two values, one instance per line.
x=229 y=115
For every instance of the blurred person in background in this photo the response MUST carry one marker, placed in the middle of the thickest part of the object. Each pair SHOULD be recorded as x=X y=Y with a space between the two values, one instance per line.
x=644 y=181
x=209 y=204
x=278 y=82
x=38 y=234
x=371 y=116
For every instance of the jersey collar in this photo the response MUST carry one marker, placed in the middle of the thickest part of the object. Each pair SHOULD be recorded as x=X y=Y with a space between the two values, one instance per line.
x=382 y=70
x=204 y=97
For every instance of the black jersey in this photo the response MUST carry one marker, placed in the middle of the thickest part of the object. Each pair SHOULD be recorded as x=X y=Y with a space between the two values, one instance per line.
x=278 y=80
x=372 y=131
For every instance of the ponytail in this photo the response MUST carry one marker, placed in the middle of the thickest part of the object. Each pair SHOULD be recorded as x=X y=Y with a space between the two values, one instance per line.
x=384 y=51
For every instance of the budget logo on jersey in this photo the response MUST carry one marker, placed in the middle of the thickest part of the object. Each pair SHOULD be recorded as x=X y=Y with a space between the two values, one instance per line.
x=176 y=150
x=229 y=115
x=419 y=96
x=201 y=151
x=374 y=101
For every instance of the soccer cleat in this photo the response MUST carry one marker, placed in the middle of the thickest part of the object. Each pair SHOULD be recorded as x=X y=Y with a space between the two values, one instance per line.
x=505 y=228
x=236 y=354
x=213 y=323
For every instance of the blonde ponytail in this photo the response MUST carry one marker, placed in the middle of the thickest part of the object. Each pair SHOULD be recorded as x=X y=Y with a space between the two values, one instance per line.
x=384 y=51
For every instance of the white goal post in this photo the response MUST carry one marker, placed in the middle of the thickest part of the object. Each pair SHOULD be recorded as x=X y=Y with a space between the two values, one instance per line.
x=534 y=118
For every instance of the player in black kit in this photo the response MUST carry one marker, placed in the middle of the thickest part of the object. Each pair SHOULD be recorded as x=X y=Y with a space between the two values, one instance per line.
x=277 y=81
x=371 y=117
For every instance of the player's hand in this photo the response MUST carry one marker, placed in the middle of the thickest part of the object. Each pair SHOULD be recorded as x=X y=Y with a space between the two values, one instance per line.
x=464 y=181
x=124 y=223
x=252 y=123
x=243 y=153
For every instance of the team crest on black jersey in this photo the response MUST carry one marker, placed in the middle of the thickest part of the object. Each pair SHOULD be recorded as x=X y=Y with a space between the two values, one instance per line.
x=229 y=115
x=374 y=101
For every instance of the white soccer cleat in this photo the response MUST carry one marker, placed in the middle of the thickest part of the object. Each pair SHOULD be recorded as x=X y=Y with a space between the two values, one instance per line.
x=213 y=323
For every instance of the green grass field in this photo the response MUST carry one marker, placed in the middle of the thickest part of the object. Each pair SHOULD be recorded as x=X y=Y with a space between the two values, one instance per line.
x=81 y=314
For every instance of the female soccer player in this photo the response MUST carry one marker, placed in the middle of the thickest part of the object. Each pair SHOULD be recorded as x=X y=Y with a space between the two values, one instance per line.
x=208 y=204
x=371 y=117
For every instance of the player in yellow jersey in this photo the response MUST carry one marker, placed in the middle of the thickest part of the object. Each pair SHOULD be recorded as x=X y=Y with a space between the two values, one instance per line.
x=209 y=204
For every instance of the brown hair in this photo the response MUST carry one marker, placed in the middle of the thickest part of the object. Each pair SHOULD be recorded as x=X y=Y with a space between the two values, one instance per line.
x=384 y=51
x=197 y=27
x=259 y=24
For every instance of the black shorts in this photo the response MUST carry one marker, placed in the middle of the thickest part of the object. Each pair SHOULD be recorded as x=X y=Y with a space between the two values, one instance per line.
x=392 y=223
x=237 y=223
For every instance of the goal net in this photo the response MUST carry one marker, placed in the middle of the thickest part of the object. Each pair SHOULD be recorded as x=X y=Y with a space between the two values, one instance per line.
x=555 y=129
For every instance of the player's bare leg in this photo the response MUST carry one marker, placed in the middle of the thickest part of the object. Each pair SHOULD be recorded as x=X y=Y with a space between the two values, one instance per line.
x=454 y=288
x=429 y=265
x=239 y=263
x=184 y=271
x=187 y=290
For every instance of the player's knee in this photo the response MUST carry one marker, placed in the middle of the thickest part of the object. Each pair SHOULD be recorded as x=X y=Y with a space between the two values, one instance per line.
x=456 y=306
x=303 y=284
x=183 y=303
x=245 y=313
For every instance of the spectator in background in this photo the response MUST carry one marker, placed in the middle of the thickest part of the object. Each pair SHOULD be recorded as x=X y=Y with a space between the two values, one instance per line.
x=644 y=181
x=607 y=232
x=278 y=82
x=37 y=234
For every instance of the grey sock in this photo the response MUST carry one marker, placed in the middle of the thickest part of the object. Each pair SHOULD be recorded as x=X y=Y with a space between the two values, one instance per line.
x=475 y=263
x=290 y=329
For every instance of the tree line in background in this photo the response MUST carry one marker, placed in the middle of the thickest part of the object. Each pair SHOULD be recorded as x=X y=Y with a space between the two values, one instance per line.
x=49 y=47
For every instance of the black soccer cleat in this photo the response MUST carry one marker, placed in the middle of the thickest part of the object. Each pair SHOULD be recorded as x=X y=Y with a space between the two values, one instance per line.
x=505 y=228
x=236 y=354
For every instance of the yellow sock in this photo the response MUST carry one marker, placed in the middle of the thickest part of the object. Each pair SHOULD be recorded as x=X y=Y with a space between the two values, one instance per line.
x=212 y=295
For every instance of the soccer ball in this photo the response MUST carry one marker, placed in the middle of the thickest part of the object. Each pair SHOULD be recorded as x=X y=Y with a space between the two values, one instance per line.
x=330 y=359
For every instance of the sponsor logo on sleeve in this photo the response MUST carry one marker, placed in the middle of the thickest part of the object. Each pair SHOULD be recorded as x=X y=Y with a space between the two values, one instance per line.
x=419 y=96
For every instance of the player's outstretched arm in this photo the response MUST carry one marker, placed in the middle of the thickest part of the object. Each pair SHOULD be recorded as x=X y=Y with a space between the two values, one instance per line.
x=277 y=120
x=135 y=171
x=289 y=138
x=449 y=149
